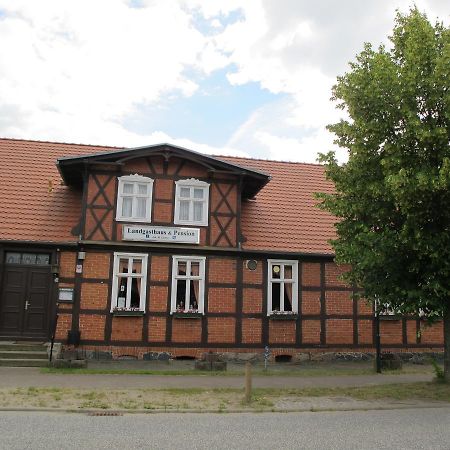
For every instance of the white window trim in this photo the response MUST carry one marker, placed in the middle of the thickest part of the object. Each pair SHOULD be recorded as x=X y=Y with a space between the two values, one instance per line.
x=191 y=182
x=115 y=281
x=134 y=179
x=281 y=262
x=201 y=277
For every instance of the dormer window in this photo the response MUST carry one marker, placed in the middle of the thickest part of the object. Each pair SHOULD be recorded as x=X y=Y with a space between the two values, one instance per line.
x=191 y=202
x=134 y=198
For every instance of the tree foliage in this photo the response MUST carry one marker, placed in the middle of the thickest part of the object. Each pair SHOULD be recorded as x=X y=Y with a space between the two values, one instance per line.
x=392 y=197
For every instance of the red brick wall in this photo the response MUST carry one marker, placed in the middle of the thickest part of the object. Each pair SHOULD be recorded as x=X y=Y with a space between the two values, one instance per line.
x=310 y=302
x=339 y=302
x=160 y=268
x=339 y=331
x=221 y=329
x=96 y=265
x=391 y=332
x=94 y=296
x=251 y=331
x=311 y=332
x=222 y=300
x=282 y=332
x=433 y=334
x=222 y=270
x=186 y=330
x=127 y=328
x=95 y=215
x=162 y=214
x=157 y=329
x=333 y=274
x=163 y=189
x=64 y=325
x=163 y=199
x=253 y=276
x=252 y=300
x=364 y=307
x=158 y=298
x=365 y=332
x=311 y=274
x=222 y=297
x=92 y=327
x=411 y=331
x=67 y=262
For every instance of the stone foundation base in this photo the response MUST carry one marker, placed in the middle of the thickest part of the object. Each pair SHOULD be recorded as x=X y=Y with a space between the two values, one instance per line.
x=296 y=356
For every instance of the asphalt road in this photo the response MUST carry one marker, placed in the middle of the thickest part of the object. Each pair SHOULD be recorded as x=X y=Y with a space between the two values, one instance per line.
x=397 y=429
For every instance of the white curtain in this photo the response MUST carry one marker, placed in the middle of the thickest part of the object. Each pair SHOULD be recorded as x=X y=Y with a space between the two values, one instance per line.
x=127 y=206
x=198 y=211
x=184 y=210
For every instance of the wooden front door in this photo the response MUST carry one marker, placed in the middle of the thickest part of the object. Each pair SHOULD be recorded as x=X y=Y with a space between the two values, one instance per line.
x=24 y=301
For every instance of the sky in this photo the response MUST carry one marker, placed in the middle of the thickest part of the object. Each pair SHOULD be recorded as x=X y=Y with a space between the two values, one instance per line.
x=231 y=77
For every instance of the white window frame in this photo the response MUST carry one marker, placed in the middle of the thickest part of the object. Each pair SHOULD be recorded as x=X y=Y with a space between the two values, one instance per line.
x=175 y=277
x=134 y=179
x=193 y=184
x=115 y=281
x=270 y=280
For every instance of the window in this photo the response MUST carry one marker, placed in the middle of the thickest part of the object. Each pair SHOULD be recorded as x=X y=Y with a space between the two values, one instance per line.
x=134 y=198
x=283 y=287
x=129 y=282
x=191 y=202
x=188 y=284
x=39 y=259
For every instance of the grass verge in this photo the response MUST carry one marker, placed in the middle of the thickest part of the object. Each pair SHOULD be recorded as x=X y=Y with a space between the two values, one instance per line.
x=295 y=371
x=221 y=400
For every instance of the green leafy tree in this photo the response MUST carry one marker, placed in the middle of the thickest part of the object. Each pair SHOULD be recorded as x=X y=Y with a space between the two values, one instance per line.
x=392 y=197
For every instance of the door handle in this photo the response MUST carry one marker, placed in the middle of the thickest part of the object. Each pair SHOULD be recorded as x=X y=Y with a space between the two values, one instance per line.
x=27 y=304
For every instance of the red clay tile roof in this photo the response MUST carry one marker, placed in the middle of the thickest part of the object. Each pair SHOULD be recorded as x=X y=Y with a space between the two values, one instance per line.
x=283 y=215
x=35 y=206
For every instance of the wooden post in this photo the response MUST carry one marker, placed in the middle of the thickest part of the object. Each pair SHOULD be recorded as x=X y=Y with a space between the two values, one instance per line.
x=248 y=382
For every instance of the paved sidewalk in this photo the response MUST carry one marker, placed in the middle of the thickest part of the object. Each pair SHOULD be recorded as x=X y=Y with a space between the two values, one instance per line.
x=12 y=377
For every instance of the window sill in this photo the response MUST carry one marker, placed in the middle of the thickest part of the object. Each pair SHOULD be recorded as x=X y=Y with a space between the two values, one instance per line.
x=187 y=315
x=128 y=313
x=283 y=316
x=191 y=224
x=134 y=220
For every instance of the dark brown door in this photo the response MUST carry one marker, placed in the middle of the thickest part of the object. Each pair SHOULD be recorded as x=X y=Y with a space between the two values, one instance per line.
x=24 y=303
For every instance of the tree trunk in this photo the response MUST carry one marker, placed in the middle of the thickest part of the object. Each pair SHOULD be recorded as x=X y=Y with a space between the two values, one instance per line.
x=447 y=343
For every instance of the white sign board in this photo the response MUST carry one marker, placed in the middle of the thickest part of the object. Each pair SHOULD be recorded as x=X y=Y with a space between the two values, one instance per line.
x=161 y=234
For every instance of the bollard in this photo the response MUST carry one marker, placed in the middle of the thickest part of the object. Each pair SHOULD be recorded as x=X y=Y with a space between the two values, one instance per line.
x=248 y=382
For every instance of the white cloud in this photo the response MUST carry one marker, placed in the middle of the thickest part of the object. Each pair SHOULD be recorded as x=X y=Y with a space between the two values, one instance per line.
x=74 y=70
x=298 y=49
x=90 y=63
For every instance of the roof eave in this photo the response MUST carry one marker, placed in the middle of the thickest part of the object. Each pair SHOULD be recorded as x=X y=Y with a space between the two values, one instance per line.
x=74 y=165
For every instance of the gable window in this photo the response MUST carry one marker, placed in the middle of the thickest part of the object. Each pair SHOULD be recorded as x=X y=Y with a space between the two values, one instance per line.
x=282 y=287
x=134 y=198
x=129 y=282
x=188 y=284
x=191 y=202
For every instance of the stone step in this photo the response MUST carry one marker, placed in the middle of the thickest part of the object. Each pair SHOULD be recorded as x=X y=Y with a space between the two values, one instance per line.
x=22 y=347
x=17 y=354
x=23 y=362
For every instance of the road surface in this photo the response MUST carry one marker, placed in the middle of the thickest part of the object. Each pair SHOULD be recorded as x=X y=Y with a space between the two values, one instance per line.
x=395 y=429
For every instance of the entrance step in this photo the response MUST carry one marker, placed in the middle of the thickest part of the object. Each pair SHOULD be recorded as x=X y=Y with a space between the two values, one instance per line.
x=9 y=346
x=23 y=354
x=23 y=362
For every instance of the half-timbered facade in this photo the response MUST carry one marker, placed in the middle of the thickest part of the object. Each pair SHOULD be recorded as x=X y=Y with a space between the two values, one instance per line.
x=162 y=249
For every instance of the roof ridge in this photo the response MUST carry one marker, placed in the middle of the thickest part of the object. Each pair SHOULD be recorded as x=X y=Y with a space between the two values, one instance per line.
x=130 y=148
x=56 y=142
x=269 y=160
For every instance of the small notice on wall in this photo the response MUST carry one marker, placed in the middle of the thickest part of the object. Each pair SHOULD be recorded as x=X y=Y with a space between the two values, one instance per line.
x=161 y=234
